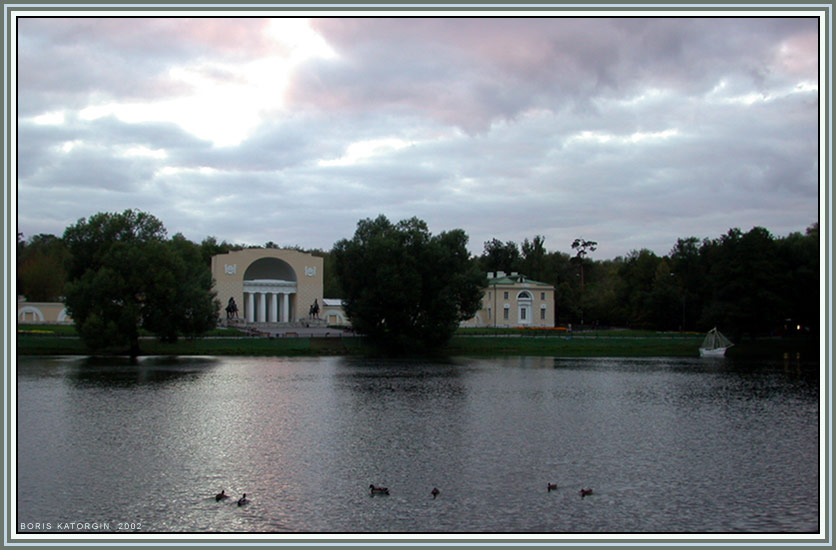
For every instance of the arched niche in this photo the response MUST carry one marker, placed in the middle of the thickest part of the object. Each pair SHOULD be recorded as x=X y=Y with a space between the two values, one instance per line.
x=270 y=269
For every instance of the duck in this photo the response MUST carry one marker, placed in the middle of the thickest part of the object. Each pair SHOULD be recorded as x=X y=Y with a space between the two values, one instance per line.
x=243 y=500
x=585 y=492
x=378 y=490
x=435 y=492
x=552 y=487
x=221 y=496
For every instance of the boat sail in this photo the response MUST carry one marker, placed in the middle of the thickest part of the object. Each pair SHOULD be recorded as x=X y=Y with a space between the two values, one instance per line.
x=714 y=344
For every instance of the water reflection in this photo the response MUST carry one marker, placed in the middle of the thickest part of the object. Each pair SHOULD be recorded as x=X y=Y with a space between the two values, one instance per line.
x=732 y=446
x=127 y=373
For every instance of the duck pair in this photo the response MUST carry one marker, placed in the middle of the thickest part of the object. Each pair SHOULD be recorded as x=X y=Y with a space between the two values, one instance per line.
x=375 y=490
x=223 y=496
x=583 y=492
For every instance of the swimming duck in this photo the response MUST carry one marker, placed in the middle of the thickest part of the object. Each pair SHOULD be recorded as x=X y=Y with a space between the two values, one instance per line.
x=435 y=492
x=221 y=496
x=552 y=487
x=378 y=490
x=243 y=500
x=585 y=492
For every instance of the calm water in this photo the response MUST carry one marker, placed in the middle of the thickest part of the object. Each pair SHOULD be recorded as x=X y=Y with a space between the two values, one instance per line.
x=687 y=446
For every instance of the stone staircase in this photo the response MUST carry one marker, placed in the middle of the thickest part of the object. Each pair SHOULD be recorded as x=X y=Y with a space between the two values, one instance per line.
x=244 y=325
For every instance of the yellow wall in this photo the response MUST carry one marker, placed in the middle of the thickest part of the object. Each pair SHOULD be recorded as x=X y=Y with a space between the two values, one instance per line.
x=42 y=312
x=494 y=303
x=228 y=271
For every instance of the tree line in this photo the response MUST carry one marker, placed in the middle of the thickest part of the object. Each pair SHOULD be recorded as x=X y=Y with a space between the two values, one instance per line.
x=748 y=283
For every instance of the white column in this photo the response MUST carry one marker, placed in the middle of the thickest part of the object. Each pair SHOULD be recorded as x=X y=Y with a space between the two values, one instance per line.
x=285 y=308
x=273 y=307
x=262 y=307
x=250 y=308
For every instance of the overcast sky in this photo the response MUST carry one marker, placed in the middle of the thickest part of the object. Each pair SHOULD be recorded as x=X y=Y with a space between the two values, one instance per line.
x=631 y=132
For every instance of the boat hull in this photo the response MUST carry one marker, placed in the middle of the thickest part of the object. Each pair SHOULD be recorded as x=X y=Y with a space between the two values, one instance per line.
x=716 y=352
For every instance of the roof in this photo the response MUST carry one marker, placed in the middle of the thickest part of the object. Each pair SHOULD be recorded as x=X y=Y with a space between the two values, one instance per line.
x=515 y=279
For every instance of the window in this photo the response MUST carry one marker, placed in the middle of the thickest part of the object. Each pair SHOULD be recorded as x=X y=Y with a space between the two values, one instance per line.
x=523 y=312
x=543 y=312
x=489 y=314
x=506 y=295
x=543 y=296
x=506 y=313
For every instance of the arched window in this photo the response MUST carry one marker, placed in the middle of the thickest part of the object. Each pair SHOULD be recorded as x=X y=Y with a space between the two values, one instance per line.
x=524 y=307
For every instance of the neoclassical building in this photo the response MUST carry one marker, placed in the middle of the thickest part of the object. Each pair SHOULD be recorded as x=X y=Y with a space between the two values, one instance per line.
x=514 y=301
x=269 y=285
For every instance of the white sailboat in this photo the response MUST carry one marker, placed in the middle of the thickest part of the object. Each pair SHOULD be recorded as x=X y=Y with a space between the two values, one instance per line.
x=714 y=344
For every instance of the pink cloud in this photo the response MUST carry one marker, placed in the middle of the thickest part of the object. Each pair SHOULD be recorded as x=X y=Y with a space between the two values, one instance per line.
x=798 y=55
x=471 y=72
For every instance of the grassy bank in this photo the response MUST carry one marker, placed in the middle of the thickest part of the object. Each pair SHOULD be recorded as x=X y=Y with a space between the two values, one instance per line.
x=577 y=346
x=62 y=340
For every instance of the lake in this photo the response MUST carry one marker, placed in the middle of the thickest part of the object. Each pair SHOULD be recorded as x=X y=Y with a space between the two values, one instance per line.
x=667 y=445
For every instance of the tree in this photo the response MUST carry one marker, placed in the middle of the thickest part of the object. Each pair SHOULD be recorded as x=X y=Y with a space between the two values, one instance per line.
x=405 y=288
x=41 y=274
x=211 y=247
x=499 y=256
x=534 y=258
x=638 y=274
x=799 y=264
x=583 y=248
x=124 y=275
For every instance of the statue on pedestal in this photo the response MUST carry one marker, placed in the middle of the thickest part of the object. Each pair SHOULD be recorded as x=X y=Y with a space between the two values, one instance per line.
x=231 y=309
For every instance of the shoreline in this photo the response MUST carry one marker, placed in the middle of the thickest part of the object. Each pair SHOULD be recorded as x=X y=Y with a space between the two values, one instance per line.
x=582 y=344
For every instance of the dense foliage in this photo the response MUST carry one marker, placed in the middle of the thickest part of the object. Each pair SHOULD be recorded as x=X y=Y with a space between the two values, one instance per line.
x=745 y=283
x=41 y=272
x=404 y=287
x=748 y=283
x=123 y=275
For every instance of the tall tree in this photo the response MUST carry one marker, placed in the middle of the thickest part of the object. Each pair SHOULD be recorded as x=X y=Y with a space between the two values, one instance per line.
x=639 y=273
x=499 y=256
x=583 y=247
x=124 y=275
x=405 y=288
x=41 y=273
x=799 y=259
x=533 y=262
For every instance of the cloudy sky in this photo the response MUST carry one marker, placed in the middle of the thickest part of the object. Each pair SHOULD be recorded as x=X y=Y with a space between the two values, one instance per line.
x=629 y=131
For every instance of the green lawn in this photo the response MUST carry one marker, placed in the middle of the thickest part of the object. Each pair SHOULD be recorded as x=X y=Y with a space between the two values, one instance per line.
x=578 y=346
x=63 y=340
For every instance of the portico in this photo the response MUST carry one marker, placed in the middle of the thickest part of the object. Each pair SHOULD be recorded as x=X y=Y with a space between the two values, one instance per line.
x=268 y=301
x=268 y=285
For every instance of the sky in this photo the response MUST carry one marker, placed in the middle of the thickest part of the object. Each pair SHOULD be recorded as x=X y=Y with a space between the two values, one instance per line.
x=632 y=132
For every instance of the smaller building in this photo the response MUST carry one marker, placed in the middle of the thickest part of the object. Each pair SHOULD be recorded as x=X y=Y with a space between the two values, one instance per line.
x=514 y=301
x=42 y=312
x=333 y=313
